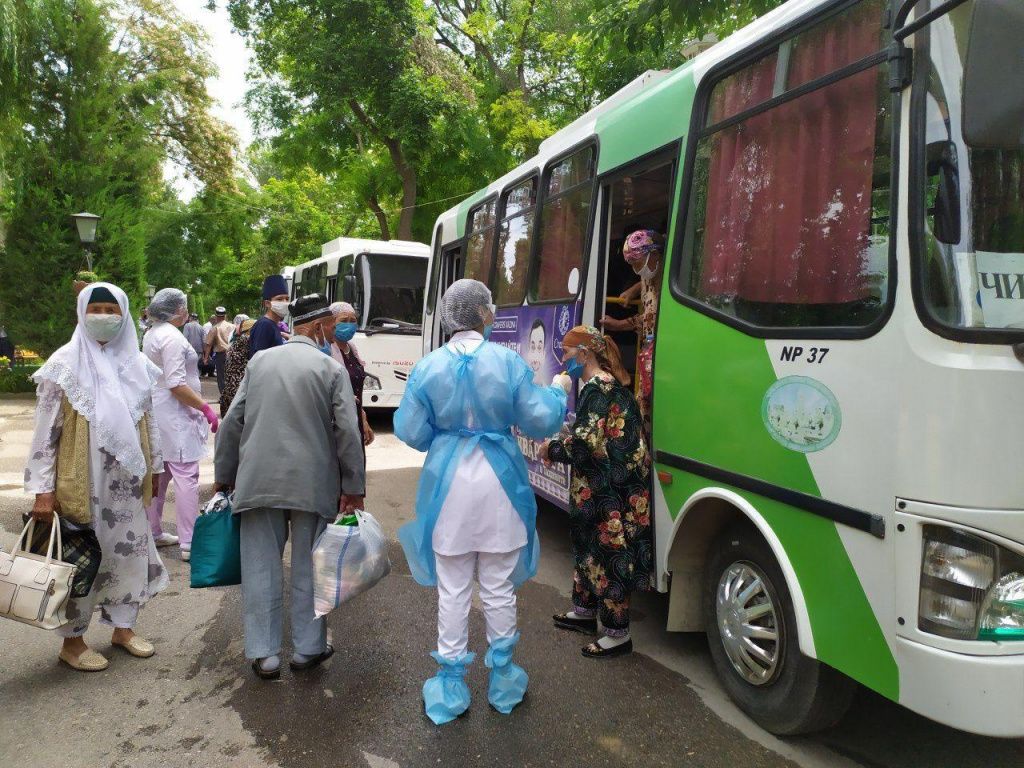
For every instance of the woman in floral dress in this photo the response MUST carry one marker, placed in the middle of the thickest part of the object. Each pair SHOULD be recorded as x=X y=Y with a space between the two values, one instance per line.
x=94 y=453
x=610 y=500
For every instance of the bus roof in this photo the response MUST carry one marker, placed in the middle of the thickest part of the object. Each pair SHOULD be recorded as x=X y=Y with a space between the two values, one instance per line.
x=350 y=246
x=631 y=96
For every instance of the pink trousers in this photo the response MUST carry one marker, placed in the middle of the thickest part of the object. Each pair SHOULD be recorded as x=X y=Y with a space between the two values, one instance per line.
x=186 y=499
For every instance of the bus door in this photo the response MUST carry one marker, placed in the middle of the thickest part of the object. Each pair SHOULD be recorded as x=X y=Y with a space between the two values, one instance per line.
x=636 y=199
x=450 y=270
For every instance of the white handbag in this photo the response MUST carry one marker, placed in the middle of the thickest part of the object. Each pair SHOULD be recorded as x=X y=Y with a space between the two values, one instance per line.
x=34 y=589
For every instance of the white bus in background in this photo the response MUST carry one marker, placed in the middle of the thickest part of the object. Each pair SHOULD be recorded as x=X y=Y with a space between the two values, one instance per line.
x=384 y=281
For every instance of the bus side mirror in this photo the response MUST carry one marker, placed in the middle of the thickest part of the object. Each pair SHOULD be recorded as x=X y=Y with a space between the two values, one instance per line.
x=946 y=227
x=348 y=289
x=993 y=108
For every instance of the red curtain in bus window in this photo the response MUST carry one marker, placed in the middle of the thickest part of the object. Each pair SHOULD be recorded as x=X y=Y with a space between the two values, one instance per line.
x=789 y=190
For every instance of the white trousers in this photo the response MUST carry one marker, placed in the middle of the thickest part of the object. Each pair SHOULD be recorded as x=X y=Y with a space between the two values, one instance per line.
x=454 y=597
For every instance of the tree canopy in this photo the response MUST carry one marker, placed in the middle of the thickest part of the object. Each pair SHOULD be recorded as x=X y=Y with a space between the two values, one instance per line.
x=372 y=116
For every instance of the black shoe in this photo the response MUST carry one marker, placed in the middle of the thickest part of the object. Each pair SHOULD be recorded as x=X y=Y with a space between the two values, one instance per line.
x=309 y=664
x=575 y=624
x=595 y=651
x=266 y=674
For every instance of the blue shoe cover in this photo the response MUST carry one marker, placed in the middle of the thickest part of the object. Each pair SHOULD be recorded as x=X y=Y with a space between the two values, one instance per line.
x=446 y=696
x=508 y=680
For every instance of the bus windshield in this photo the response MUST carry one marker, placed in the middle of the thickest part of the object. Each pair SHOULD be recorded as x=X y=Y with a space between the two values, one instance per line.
x=973 y=202
x=396 y=293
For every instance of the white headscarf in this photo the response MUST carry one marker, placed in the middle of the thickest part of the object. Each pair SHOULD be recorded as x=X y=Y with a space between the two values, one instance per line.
x=110 y=385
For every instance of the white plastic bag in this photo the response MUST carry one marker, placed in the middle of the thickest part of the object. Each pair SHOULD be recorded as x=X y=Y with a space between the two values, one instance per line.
x=347 y=561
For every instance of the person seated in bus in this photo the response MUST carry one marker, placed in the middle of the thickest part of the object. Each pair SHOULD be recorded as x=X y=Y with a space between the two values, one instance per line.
x=644 y=252
x=475 y=509
x=610 y=499
x=265 y=333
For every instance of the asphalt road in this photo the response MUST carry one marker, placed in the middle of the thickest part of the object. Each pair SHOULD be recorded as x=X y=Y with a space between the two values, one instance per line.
x=197 y=703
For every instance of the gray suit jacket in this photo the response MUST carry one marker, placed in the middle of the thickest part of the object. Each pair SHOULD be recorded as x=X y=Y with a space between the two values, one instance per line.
x=291 y=439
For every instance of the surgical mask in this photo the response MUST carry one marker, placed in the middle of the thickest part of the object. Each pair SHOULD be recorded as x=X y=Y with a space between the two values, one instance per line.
x=574 y=368
x=280 y=308
x=487 y=331
x=647 y=273
x=103 y=328
x=345 y=331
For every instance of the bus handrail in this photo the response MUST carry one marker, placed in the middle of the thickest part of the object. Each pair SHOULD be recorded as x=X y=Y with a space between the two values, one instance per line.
x=622 y=302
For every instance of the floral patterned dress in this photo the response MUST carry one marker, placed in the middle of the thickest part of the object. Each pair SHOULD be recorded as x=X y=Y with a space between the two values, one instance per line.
x=234 y=370
x=610 y=502
x=644 y=324
x=131 y=571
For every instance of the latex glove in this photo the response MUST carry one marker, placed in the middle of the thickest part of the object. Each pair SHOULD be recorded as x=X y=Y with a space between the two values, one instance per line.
x=564 y=381
x=211 y=417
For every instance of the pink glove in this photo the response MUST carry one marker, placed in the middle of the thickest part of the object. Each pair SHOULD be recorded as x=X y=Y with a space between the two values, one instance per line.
x=211 y=417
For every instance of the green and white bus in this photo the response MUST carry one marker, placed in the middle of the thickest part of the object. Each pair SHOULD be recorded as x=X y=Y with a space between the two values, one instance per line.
x=838 y=411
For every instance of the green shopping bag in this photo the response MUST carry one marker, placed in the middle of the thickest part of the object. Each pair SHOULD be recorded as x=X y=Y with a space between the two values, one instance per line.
x=216 y=556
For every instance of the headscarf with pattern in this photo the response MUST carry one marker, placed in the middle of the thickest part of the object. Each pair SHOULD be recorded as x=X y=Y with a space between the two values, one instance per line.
x=641 y=244
x=604 y=348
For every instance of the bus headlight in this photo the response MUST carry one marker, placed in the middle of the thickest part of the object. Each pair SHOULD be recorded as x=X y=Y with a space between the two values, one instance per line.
x=971 y=588
x=372 y=383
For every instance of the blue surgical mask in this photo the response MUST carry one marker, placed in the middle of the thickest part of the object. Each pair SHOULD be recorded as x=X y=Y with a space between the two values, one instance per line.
x=345 y=331
x=487 y=331
x=574 y=368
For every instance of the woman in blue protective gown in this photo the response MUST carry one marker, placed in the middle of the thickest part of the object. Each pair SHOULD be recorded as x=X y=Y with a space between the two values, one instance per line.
x=475 y=509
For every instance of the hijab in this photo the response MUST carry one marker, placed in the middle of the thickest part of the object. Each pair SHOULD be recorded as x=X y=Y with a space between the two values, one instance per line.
x=110 y=386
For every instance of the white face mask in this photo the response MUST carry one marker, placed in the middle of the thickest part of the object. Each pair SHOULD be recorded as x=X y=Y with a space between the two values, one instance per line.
x=103 y=328
x=646 y=272
x=279 y=308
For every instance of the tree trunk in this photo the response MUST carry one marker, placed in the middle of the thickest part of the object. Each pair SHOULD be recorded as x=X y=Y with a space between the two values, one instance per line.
x=408 y=176
x=382 y=219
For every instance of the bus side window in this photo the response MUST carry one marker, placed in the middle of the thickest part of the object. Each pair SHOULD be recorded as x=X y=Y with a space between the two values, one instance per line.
x=481 y=241
x=557 y=271
x=789 y=204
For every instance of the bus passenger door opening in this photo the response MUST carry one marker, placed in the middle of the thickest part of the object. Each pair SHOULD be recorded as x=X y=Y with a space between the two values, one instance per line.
x=636 y=201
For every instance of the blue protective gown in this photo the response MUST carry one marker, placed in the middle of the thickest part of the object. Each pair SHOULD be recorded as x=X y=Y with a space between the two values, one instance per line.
x=491 y=388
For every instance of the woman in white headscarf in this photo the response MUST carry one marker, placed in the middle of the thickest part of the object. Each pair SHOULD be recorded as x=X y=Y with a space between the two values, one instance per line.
x=93 y=458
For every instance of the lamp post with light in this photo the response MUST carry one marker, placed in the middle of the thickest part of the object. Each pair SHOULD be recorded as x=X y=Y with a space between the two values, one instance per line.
x=86 y=224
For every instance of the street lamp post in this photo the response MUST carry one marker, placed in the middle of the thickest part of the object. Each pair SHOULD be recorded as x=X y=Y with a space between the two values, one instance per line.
x=86 y=224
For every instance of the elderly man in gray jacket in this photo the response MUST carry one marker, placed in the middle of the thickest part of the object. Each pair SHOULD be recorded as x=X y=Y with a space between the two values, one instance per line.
x=291 y=447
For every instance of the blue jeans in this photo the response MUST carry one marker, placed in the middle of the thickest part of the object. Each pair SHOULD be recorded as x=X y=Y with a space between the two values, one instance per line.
x=263 y=536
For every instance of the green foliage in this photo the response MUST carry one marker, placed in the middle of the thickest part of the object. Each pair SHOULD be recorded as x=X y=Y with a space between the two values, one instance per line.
x=16 y=379
x=112 y=93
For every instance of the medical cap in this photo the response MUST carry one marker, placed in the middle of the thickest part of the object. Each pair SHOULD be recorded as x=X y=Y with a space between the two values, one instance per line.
x=342 y=307
x=167 y=303
x=465 y=305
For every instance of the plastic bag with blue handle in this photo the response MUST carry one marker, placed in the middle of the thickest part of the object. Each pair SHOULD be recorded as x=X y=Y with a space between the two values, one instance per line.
x=347 y=561
x=446 y=696
x=508 y=680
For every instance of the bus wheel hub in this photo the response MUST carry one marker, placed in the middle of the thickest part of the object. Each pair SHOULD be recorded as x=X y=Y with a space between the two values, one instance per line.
x=748 y=623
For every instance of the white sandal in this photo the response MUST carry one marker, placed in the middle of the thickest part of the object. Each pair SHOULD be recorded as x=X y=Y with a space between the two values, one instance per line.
x=87 y=661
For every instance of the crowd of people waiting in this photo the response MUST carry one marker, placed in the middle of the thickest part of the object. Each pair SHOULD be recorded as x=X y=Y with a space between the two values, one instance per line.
x=114 y=426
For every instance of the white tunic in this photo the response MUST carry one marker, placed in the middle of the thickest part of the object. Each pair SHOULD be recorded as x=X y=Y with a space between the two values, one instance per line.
x=183 y=429
x=477 y=515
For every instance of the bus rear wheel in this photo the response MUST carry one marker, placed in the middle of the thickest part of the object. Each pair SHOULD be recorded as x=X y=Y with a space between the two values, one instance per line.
x=753 y=637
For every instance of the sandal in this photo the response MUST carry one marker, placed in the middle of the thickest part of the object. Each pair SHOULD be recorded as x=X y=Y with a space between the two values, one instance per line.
x=595 y=651
x=310 y=663
x=266 y=674
x=87 y=661
x=137 y=647
x=576 y=624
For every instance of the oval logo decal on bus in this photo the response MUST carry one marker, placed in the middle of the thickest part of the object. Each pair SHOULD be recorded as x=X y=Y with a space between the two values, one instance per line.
x=801 y=413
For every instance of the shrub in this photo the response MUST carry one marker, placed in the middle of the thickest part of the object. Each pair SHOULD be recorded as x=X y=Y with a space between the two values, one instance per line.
x=16 y=379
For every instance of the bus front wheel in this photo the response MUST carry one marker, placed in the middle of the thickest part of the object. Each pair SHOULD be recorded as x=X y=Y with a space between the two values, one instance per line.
x=752 y=633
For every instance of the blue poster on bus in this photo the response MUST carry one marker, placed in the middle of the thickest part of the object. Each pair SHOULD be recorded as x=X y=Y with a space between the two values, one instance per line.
x=535 y=334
